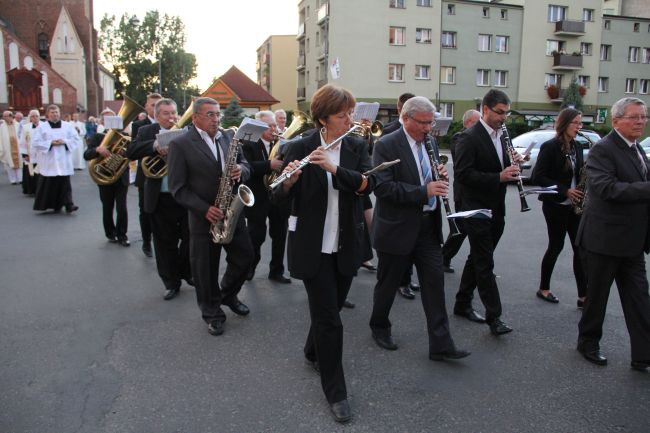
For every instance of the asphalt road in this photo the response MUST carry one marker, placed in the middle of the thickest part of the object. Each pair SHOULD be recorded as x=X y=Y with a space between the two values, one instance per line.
x=87 y=344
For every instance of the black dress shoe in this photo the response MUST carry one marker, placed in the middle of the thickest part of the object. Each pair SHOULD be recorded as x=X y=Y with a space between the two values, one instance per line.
x=594 y=356
x=238 y=307
x=550 y=297
x=189 y=281
x=406 y=292
x=640 y=365
x=112 y=239
x=71 y=208
x=171 y=294
x=313 y=364
x=125 y=242
x=146 y=249
x=414 y=286
x=348 y=304
x=341 y=411
x=384 y=341
x=215 y=327
x=280 y=279
x=449 y=354
x=369 y=266
x=470 y=314
x=497 y=327
x=446 y=267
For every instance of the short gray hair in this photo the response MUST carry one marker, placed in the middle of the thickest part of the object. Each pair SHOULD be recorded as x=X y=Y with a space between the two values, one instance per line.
x=280 y=111
x=265 y=114
x=620 y=106
x=417 y=104
x=469 y=114
x=162 y=101
x=200 y=102
x=34 y=112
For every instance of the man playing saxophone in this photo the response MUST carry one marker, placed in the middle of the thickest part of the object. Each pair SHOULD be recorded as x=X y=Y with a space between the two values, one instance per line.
x=195 y=165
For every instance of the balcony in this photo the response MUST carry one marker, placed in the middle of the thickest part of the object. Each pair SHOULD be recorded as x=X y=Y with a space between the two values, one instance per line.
x=560 y=97
x=322 y=82
x=566 y=62
x=569 y=28
x=323 y=13
x=322 y=52
x=301 y=31
x=300 y=93
x=301 y=61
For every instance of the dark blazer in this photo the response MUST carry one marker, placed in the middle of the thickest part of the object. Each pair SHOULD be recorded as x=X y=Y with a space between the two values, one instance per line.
x=141 y=146
x=91 y=153
x=476 y=170
x=195 y=174
x=392 y=126
x=615 y=220
x=452 y=149
x=258 y=159
x=135 y=126
x=400 y=197
x=309 y=207
x=550 y=169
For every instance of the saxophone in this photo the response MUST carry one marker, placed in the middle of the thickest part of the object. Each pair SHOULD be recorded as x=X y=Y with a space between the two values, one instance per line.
x=579 y=205
x=223 y=230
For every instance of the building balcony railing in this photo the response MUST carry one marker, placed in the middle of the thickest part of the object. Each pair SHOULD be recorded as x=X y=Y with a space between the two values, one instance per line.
x=301 y=31
x=323 y=13
x=322 y=53
x=301 y=61
x=322 y=82
x=566 y=62
x=300 y=93
x=570 y=28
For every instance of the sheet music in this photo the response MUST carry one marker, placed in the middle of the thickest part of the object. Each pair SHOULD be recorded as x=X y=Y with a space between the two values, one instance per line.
x=166 y=137
x=366 y=110
x=382 y=166
x=251 y=129
x=476 y=213
x=442 y=126
x=541 y=190
x=113 y=122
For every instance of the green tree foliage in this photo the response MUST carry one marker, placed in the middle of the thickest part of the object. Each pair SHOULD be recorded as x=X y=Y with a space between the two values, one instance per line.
x=572 y=96
x=134 y=49
x=232 y=115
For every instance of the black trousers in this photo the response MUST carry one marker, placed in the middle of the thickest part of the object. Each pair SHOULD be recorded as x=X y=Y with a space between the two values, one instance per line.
x=632 y=282
x=326 y=292
x=483 y=235
x=427 y=257
x=204 y=258
x=114 y=197
x=171 y=241
x=453 y=243
x=560 y=220
x=144 y=217
x=278 y=217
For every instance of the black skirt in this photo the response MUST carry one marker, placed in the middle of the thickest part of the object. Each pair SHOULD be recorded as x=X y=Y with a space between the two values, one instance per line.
x=53 y=193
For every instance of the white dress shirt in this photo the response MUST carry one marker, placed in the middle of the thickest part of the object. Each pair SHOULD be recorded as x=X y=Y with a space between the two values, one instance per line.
x=330 y=242
x=495 y=136
x=212 y=144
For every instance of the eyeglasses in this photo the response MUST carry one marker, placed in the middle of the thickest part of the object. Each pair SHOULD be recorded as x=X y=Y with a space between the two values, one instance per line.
x=423 y=122
x=576 y=123
x=636 y=118
x=211 y=114
x=501 y=113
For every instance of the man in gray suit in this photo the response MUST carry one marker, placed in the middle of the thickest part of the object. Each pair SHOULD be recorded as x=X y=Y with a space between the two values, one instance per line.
x=196 y=161
x=614 y=233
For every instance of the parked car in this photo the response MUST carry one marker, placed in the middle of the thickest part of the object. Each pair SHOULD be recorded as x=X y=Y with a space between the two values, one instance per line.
x=533 y=140
x=645 y=145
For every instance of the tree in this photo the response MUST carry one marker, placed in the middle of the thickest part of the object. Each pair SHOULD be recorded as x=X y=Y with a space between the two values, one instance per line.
x=140 y=52
x=233 y=114
x=572 y=96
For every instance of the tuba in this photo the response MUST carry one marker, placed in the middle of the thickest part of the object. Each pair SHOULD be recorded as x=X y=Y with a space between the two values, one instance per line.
x=155 y=167
x=105 y=171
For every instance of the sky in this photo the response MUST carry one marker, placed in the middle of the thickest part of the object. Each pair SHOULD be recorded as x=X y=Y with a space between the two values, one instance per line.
x=221 y=33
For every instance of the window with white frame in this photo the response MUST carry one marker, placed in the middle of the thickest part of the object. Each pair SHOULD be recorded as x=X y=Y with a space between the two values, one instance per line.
x=446 y=109
x=422 y=72
x=399 y=4
x=633 y=55
x=483 y=77
x=603 y=84
x=451 y=9
x=423 y=36
x=447 y=75
x=586 y=48
x=501 y=43
x=486 y=12
x=645 y=58
x=553 y=80
x=484 y=42
x=504 y=14
x=448 y=40
x=395 y=72
x=587 y=15
x=396 y=35
x=554 y=45
x=500 y=78
x=630 y=85
x=606 y=52
x=426 y=3
x=644 y=85
x=607 y=24
x=556 y=13
x=637 y=27
x=583 y=80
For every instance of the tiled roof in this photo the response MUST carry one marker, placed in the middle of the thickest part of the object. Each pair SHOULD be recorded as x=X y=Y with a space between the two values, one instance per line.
x=245 y=88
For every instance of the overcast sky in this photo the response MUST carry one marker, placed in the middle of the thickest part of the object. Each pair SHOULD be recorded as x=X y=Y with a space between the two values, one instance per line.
x=221 y=33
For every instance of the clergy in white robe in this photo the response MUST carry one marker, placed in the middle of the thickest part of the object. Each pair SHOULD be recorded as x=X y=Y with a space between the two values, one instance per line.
x=30 y=165
x=55 y=141
x=78 y=162
x=10 y=148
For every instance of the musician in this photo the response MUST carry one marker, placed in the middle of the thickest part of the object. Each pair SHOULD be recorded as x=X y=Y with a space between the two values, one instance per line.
x=482 y=168
x=54 y=141
x=112 y=196
x=453 y=243
x=397 y=123
x=257 y=155
x=407 y=228
x=168 y=217
x=559 y=163
x=280 y=121
x=325 y=229
x=196 y=162
x=145 y=221
x=614 y=234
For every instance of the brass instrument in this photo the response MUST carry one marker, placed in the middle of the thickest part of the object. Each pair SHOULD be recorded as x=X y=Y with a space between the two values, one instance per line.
x=223 y=230
x=376 y=129
x=512 y=153
x=580 y=205
x=106 y=171
x=155 y=167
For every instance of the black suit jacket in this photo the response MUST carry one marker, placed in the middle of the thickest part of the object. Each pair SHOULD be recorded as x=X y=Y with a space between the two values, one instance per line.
x=476 y=171
x=400 y=197
x=195 y=174
x=141 y=146
x=551 y=169
x=258 y=159
x=392 y=126
x=135 y=126
x=91 y=153
x=309 y=207
x=452 y=149
x=615 y=220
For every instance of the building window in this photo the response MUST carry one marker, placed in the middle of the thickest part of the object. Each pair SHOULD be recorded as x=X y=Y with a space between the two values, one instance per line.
x=646 y=55
x=447 y=75
x=43 y=46
x=633 y=55
x=486 y=12
x=483 y=77
x=607 y=24
x=395 y=72
x=448 y=40
x=606 y=52
x=422 y=72
x=587 y=15
x=484 y=42
x=553 y=80
x=501 y=44
x=630 y=85
x=636 y=27
x=398 y=4
x=451 y=10
x=396 y=35
x=504 y=14
x=603 y=84
x=500 y=78
x=554 y=46
x=583 y=80
x=57 y=96
x=644 y=85
x=556 y=13
x=423 y=36
x=426 y=3
x=446 y=109
x=586 y=48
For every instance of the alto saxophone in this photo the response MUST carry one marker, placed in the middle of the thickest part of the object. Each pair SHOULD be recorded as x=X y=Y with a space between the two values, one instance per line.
x=579 y=205
x=230 y=205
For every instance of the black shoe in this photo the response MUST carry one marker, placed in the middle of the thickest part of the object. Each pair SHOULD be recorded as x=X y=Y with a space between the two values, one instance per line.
x=369 y=266
x=640 y=365
x=280 y=279
x=550 y=297
x=348 y=304
x=238 y=307
x=384 y=341
x=449 y=354
x=146 y=249
x=71 y=208
x=189 y=281
x=446 y=267
x=406 y=292
x=594 y=356
x=341 y=411
x=470 y=314
x=314 y=365
x=171 y=294
x=112 y=239
x=414 y=286
x=125 y=242
x=215 y=327
x=497 y=327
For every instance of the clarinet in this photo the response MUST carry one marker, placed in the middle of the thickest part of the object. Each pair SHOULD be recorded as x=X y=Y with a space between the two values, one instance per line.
x=434 y=161
x=512 y=152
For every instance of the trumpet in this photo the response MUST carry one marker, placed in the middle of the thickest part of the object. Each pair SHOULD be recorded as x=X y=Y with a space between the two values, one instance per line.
x=512 y=152
x=367 y=129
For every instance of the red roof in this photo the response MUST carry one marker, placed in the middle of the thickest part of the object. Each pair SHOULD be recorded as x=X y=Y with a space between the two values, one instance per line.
x=245 y=88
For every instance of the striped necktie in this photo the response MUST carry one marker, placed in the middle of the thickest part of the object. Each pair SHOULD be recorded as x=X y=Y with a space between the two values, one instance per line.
x=426 y=173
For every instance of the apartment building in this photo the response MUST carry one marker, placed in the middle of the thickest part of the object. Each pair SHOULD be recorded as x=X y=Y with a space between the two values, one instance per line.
x=276 y=73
